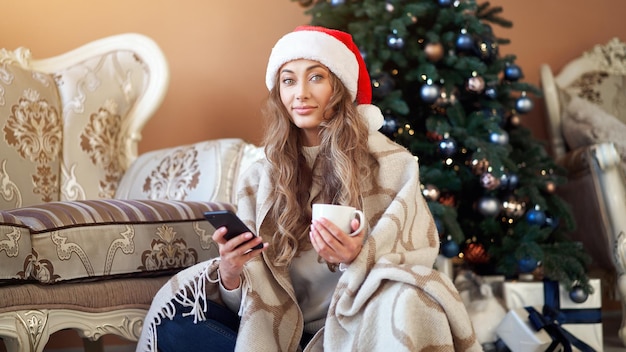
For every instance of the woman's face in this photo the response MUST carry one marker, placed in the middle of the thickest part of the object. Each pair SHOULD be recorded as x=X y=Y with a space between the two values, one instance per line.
x=305 y=90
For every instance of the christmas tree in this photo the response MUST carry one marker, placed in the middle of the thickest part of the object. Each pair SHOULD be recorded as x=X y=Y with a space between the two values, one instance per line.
x=450 y=97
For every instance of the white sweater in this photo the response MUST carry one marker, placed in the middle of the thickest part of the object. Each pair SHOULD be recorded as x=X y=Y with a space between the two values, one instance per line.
x=313 y=282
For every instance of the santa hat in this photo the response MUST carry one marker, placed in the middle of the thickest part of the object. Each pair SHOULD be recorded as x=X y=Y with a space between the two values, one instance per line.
x=335 y=50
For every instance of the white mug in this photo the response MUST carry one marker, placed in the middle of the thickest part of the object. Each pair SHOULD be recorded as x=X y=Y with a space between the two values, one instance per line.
x=340 y=215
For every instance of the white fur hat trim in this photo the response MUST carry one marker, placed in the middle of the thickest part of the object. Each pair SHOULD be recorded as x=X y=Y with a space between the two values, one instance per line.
x=317 y=46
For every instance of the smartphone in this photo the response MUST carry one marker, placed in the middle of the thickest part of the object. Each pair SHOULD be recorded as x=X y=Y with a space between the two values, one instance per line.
x=233 y=224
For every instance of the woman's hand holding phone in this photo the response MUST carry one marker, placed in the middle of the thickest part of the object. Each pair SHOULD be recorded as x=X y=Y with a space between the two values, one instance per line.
x=236 y=244
x=234 y=253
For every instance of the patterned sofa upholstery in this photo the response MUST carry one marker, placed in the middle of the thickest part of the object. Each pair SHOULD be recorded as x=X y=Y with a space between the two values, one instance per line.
x=89 y=230
x=586 y=109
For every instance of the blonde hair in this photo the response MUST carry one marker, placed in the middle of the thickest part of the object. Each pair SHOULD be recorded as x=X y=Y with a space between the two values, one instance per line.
x=343 y=162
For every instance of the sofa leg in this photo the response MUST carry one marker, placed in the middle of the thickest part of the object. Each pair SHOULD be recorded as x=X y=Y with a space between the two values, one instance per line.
x=93 y=346
x=29 y=330
x=25 y=331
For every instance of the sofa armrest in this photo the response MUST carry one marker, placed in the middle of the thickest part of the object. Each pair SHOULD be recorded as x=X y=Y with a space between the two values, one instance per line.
x=76 y=240
x=597 y=194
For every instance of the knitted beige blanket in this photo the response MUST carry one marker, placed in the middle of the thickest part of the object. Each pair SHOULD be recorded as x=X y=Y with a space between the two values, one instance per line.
x=389 y=299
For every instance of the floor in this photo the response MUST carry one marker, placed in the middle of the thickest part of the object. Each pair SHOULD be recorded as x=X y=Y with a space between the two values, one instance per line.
x=610 y=322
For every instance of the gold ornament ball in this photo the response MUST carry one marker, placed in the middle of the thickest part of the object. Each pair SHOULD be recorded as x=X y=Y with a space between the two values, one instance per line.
x=515 y=120
x=480 y=166
x=434 y=51
x=550 y=187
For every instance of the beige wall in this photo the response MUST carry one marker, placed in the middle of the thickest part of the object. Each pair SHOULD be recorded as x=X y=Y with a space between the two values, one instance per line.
x=217 y=50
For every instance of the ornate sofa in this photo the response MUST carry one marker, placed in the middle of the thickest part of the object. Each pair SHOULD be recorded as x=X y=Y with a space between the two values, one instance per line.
x=586 y=109
x=89 y=230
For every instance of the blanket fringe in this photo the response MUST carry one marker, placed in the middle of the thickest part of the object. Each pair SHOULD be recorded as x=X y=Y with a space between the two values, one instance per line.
x=192 y=294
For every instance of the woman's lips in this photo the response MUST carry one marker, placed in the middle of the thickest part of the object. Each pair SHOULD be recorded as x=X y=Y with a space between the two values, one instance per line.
x=303 y=110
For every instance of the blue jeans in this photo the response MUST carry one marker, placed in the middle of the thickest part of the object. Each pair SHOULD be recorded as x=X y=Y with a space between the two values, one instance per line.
x=217 y=333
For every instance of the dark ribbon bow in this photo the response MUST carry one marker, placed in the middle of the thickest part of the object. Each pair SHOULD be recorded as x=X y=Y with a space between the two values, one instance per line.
x=552 y=319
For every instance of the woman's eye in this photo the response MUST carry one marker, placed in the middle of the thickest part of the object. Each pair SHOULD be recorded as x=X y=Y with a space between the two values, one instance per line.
x=316 y=77
x=287 y=81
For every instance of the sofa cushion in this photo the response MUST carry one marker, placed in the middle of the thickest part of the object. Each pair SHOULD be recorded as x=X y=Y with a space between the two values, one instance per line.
x=603 y=89
x=31 y=137
x=97 y=95
x=96 y=238
x=585 y=124
x=14 y=249
x=205 y=170
x=98 y=296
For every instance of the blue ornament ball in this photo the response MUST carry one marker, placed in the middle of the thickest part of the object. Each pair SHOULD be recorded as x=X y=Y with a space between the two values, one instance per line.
x=527 y=264
x=504 y=180
x=491 y=92
x=449 y=249
x=578 y=295
x=445 y=3
x=499 y=137
x=337 y=2
x=512 y=72
x=429 y=93
x=513 y=181
x=552 y=222
x=439 y=224
x=390 y=126
x=536 y=217
x=447 y=147
x=382 y=85
x=464 y=42
x=524 y=104
x=395 y=42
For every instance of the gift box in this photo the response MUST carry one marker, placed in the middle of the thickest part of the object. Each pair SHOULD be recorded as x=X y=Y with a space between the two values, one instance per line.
x=517 y=333
x=580 y=320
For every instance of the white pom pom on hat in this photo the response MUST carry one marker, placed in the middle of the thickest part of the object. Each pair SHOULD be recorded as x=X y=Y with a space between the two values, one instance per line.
x=337 y=51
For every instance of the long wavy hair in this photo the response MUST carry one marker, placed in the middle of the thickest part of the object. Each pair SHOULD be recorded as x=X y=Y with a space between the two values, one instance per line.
x=343 y=161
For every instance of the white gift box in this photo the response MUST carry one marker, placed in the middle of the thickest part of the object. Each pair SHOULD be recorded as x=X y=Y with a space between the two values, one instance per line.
x=519 y=294
x=519 y=336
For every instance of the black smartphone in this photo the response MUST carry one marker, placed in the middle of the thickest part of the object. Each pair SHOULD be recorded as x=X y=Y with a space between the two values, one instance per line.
x=233 y=224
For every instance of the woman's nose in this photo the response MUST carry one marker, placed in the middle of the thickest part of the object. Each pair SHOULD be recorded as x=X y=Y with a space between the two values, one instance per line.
x=303 y=92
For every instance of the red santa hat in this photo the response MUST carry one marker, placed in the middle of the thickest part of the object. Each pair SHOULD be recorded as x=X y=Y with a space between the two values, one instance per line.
x=335 y=50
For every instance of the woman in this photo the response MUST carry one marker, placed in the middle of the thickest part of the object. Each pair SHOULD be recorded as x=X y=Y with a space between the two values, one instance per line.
x=313 y=286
